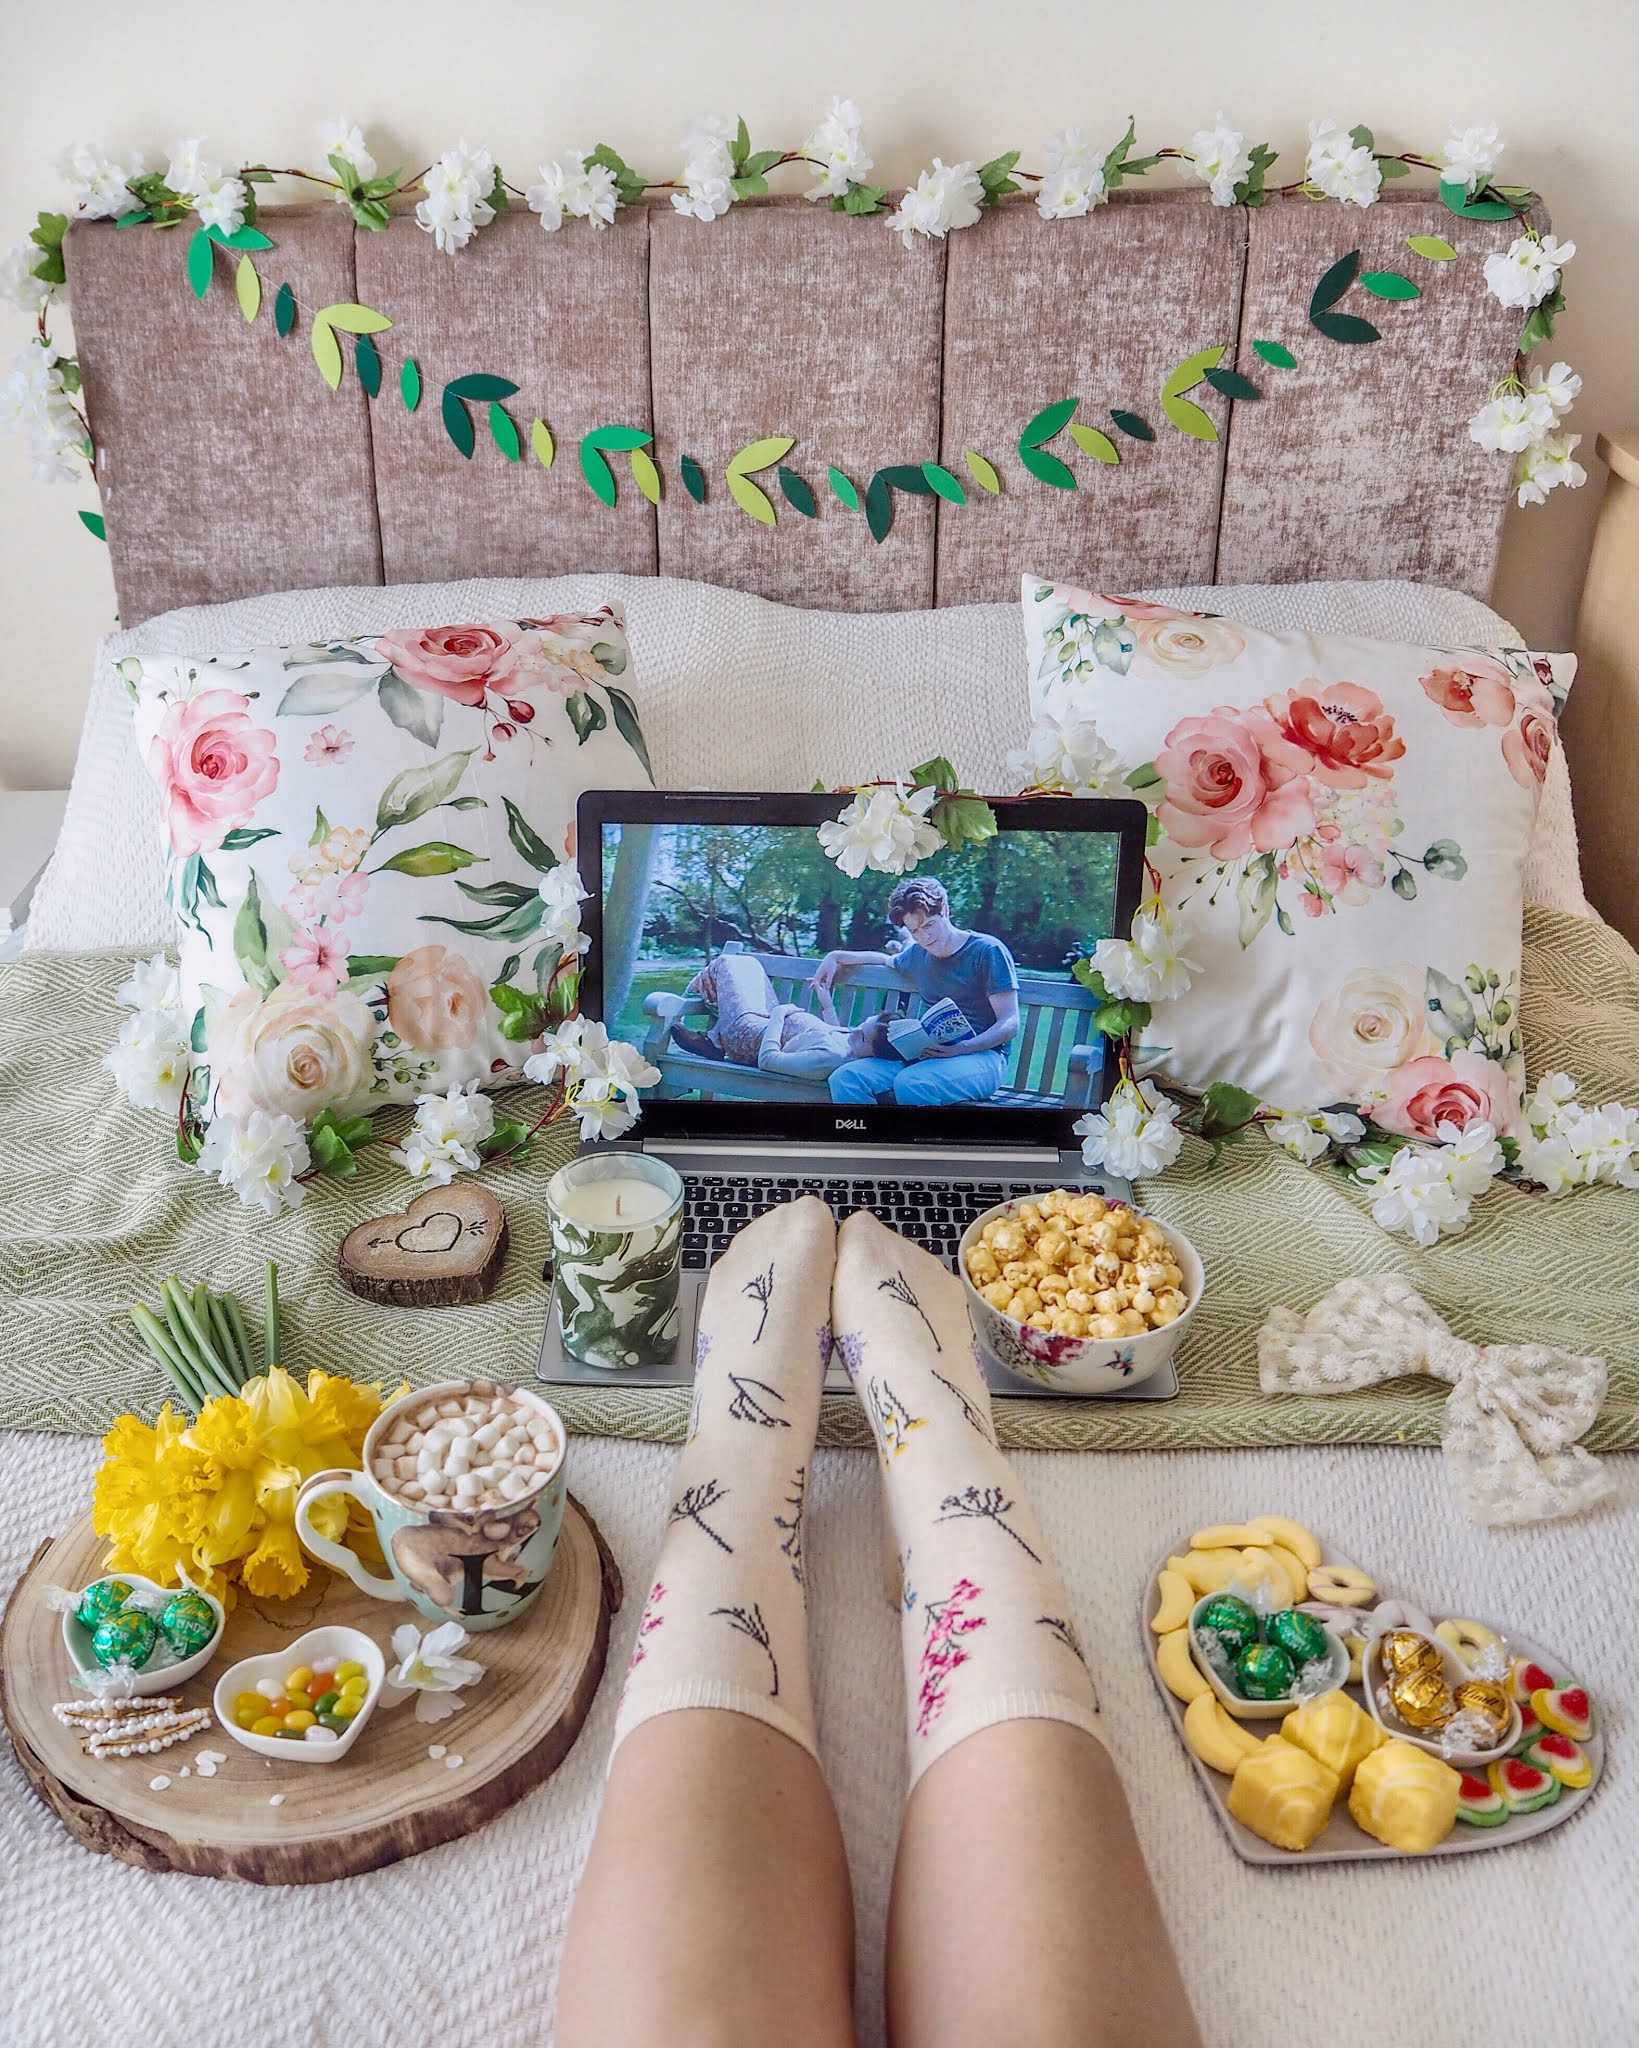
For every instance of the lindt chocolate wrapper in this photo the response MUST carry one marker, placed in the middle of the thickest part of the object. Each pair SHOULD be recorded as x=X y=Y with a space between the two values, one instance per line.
x=1233 y=1622
x=97 y=1602
x=1488 y=1699
x=128 y=1636
x=1404 y=1650
x=1422 y=1699
x=187 y=1624
x=1264 y=1671
x=1299 y=1635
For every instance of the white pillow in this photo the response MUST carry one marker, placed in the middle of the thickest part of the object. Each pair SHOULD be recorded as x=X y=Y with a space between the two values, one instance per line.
x=357 y=837
x=738 y=693
x=1343 y=826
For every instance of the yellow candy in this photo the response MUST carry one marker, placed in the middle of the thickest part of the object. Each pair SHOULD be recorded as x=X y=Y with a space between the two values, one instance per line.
x=301 y=1718
x=270 y=1724
x=1177 y=1598
x=1208 y=1571
x=354 y=1688
x=1217 y=1738
x=1179 y=1672
x=247 y=1717
x=1405 y=1797
x=1302 y=1542
x=348 y=1670
x=1282 y=1794
x=299 y=1679
x=1336 y=1732
x=346 y=1707
x=250 y=1702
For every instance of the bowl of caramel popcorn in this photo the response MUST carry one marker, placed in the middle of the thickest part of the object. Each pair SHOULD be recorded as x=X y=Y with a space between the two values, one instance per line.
x=1077 y=1292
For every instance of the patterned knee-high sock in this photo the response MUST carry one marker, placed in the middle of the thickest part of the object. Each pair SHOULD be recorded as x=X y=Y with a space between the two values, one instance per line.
x=726 y=1623
x=985 y=1627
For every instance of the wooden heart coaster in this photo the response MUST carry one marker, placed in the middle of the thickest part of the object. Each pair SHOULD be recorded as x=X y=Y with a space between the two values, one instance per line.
x=446 y=1247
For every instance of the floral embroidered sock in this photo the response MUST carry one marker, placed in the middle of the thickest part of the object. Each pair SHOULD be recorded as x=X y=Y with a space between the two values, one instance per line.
x=985 y=1626
x=726 y=1621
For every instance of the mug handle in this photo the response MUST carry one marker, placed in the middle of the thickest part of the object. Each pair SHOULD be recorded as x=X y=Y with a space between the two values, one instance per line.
x=337 y=1555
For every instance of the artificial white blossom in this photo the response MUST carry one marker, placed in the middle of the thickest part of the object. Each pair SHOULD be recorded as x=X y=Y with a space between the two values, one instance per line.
x=1150 y=967
x=447 y=1136
x=457 y=202
x=949 y=196
x=431 y=1666
x=1219 y=156
x=601 y=1076
x=1528 y=271
x=885 y=829
x=1548 y=465
x=259 y=1157
x=19 y=287
x=1069 y=755
x=188 y=170
x=1559 y=384
x=1512 y=421
x=1565 y=1144
x=1339 y=167
x=1471 y=155
x=1298 y=1136
x=708 y=168
x=1073 y=183
x=155 y=984
x=34 y=402
x=1416 y=1197
x=1134 y=1133
x=150 y=1060
x=570 y=187
x=563 y=892
x=837 y=145
x=220 y=203
x=346 y=140
x=98 y=182
x=1473 y=1157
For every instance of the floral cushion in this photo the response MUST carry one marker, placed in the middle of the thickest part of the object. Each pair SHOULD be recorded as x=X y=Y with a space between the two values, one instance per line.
x=357 y=836
x=1342 y=826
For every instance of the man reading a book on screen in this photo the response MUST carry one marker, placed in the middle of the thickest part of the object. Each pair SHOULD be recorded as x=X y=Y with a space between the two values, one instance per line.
x=957 y=1050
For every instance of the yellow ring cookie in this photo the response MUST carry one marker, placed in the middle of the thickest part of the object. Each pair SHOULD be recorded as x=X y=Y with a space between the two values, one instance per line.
x=1341 y=1585
x=1470 y=1639
x=1179 y=1672
x=1216 y=1737
x=1177 y=1598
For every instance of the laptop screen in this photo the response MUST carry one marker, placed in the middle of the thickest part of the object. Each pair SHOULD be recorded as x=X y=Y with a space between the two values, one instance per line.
x=779 y=996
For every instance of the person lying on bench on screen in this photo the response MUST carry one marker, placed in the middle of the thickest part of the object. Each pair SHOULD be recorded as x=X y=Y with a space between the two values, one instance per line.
x=754 y=1029
x=971 y=969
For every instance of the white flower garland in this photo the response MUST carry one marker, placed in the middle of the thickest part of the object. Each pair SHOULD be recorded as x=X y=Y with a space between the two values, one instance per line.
x=461 y=192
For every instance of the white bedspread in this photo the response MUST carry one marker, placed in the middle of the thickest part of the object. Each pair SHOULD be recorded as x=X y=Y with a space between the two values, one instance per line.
x=460 y=1947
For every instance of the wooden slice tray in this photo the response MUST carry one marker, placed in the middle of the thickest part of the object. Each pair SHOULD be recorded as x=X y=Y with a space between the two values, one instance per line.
x=1341 y=1841
x=385 y=1800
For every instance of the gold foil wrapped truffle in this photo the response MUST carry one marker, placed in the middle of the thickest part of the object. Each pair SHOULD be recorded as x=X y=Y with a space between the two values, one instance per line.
x=1422 y=1699
x=1404 y=1650
x=1488 y=1699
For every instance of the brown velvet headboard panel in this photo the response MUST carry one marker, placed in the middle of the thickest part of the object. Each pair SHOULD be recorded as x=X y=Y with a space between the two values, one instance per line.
x=227 y=467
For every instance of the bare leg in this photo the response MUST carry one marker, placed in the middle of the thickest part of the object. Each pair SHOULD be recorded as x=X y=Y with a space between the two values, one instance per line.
x=715 y=1907
x=1021 y=1909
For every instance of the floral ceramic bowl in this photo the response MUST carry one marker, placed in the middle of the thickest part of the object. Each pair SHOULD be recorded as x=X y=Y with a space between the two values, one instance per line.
x=157 y=1675
x=1080 y=1365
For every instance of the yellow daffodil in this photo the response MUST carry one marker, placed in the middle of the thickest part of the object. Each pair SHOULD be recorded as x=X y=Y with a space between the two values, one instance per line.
x=277 y=1568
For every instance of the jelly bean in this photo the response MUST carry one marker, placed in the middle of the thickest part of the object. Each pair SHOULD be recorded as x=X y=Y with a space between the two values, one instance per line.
x=346 y=1708
x=288 y=1734
x=300 y=1718
x=268 y=1725
x=269 y=1688
x=323 y=1704
x=318 y=1689
x=337 y=1723
x=317 y=1734
x=355 y=1687
x=323 y=1664
x=299 y=1679
x=349 y=1670
x=247 y=1717
x=249 y=1700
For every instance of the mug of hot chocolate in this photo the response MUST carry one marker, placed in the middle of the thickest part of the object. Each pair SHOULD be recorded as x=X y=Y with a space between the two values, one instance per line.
x=465 y=1485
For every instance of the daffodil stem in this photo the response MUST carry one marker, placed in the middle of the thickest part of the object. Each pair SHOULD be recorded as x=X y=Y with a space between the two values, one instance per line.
x=270 y=1331
x=158 y=1340
x=202 y=1353
x=222 y=1331
x=241 y=1336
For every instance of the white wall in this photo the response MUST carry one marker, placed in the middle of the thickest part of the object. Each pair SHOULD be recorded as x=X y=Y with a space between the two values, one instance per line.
x=961 y=77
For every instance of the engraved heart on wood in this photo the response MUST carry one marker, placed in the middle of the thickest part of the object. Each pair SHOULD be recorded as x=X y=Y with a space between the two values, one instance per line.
x=446 y=1247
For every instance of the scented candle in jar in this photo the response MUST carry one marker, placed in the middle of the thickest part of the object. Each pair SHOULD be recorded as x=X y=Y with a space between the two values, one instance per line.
x=617 y=1234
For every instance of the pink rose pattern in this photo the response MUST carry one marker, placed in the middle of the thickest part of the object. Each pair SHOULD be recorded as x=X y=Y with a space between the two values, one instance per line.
x=214 y=765
x=1374 y=1037
x=498 y=668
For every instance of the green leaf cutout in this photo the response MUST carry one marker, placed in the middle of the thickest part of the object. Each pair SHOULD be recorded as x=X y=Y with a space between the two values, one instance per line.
x=878 y=507
x=540 y=439
x=353 y=319
x=1434 y=248
x=247 y=288
x=367 y=363
x=753 y=456
x=1189 y=419
x=943 y=484
x=1345 y=327
x=595 y=468
x=1233 y=385
x=1389 y=284
x=1134 y=424
x=503 y=432
x=245 y=237
x=1093 y=443
x=907 y=476
x=1454 y=193
x=326 y=351
x=1334 y=283
x=694 y=478
x=95 y=525
x=843 y=487
x=284 y=310
x=528 y=841
x=794 y=489
x=619 y=437
x=645 y=475
x=200 y=263
x=1047 y=423
x=1048 y=468
x=434 y=857
x=1275 y=353
x=982 y=472
x=1190 y=372
x=409 y=383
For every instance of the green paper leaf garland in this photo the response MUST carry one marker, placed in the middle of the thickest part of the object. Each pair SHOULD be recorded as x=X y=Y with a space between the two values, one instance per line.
x=879 y=507
x=1233 y=385
x=199 y=263
x=1389 y=284
x=247 y=288
x=1345 y=327
x=1187 y=417
x=756 y=455
x=503 y=432
x=1275 y=353
x=943 y=483
x=595 y=468
x=645 y=475
x=95 y=525
x=367 y=365
x=983 y=473
x=481 y=385
x=1047 y=423
x=1434 y=248
x=843 y=487
x=540 y=439
x=794 y=489
x=409 y=383
x=326 y=352
x=694 y=478
x=1134 y=424
x=284 y=310
x=1047 y=468
x=484 y=388
x=1334 y=283
x=1092 y=442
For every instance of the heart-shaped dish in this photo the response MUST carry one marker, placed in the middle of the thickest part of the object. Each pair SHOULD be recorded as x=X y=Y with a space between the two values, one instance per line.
x=347 y=1644
x=152 y=1679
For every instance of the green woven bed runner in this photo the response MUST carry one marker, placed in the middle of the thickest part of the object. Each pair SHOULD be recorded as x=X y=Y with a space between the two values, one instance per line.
x=95 y=1213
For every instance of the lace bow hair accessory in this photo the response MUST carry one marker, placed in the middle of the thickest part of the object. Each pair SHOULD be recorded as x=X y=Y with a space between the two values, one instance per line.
x=1514 y=1414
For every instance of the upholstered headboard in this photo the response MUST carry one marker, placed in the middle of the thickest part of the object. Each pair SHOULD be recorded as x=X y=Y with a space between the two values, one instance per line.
x=228 y=467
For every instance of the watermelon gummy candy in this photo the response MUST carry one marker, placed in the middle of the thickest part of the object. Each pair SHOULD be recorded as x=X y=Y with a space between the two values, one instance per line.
x=1527 y=1677
x=1564 y=1758
x=1480 y=1803
x=1565 y=1709
x=1522 y=1786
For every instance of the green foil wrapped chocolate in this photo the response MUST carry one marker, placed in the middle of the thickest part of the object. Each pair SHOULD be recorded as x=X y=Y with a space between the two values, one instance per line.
x=1300 y=1635
x=1231 y=1620
x=1264 y=1671
x=188 y=1623
x=97 y=1602
x=127 y=1637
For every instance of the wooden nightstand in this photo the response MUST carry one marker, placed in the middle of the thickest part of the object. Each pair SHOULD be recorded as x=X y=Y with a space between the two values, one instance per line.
x=1601 y=725
x=30 y=820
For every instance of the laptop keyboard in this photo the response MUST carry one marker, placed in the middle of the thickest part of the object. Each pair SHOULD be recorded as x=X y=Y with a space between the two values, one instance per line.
x=931 y=1213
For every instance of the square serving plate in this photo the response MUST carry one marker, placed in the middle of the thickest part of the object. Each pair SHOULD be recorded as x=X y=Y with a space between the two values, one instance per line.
x=1342 y=1841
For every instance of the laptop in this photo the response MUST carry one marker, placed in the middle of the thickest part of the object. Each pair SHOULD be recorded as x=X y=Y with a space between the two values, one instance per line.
x=915 y=1045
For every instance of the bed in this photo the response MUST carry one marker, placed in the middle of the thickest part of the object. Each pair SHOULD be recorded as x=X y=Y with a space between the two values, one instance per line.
x=767 y=658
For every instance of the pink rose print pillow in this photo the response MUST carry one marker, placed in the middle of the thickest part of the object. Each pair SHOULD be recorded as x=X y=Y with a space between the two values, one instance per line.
x=1342 y=835
x=356 y=836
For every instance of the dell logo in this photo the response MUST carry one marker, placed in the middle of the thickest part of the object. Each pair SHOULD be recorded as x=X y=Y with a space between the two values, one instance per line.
x=850 y=1123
